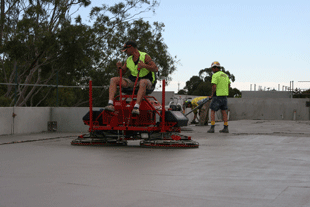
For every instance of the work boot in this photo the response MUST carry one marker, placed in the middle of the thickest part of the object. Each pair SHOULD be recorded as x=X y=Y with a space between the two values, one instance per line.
x=211 y=130
x=110 y=107
x=225 y=130
x=194 y=122
x=135 y=111
x=206 y=124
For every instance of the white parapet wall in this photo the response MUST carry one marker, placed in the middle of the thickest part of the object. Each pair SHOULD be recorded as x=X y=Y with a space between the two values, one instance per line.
x=6 y=120
x=23 y=120
x=70 y=119
x=35 y=119
x=268 y=108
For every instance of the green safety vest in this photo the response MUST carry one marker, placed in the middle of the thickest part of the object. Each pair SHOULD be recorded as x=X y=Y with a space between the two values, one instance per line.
x=134 y=68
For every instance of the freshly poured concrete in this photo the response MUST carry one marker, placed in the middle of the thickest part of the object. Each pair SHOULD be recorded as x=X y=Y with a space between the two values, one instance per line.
x=259 y=163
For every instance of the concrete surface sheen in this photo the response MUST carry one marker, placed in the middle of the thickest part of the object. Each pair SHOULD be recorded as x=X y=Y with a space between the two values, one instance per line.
x=259 y=163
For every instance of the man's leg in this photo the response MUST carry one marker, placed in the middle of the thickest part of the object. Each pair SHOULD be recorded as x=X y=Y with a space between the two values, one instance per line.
x=207 y=119
x=208 y=107
x=211 y=130
x=114 y=82
x=223 y=108
x=214 y=107
x=224 y=114
x=143 y=85
x=202 y=116
x=204 y=113
x=195 y=117
x=142 y=90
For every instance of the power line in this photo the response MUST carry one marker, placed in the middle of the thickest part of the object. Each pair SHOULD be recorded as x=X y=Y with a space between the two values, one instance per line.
x=60 y=86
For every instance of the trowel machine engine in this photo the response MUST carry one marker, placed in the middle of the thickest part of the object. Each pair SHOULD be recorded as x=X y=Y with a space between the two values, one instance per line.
x=154 y=126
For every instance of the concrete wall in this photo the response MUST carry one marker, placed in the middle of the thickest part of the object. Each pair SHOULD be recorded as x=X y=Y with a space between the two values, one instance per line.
x=6 y=120
x=268 y=108
x=266 y=94
x=69 y=119
x=35 y=119
x=27 y=119
x=263 y=109
x=158 y=96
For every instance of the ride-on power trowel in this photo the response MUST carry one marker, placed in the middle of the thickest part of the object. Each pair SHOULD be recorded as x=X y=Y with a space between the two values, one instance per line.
x=154 y=126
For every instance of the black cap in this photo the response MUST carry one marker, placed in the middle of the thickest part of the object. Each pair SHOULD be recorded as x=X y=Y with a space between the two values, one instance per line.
x=129 y=44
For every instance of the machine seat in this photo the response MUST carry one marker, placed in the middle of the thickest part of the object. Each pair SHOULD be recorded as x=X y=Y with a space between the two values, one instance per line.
x=129 y=91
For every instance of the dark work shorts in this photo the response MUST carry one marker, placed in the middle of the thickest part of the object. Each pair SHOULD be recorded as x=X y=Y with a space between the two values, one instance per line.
x=132 y=84
x=219 y=102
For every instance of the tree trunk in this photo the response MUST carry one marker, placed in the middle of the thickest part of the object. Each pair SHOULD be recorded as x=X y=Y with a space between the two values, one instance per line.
x=1 y=21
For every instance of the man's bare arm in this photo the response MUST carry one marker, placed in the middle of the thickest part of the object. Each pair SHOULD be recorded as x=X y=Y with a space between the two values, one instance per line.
x=149 y=64
x=213 y=89
x=121 y=65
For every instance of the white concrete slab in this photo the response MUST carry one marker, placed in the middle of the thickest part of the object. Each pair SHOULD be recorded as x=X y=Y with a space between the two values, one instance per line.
x=259 y=163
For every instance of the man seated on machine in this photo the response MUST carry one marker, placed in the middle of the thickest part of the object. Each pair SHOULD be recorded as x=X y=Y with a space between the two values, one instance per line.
x=137 y=62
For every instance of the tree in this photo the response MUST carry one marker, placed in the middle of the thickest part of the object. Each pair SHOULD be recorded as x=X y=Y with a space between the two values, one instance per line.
x=192 y=84
x=201 y=85
x=203 y=88
x=150 y=39
x=42 y=46
x=234 y=93
x=32 y=44
x=113 y=27
x=206 y=74
x=182 y=92
x=297 y=93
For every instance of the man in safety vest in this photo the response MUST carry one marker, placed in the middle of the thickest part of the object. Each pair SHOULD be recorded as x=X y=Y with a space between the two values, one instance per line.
x=220 y=90
x=203 y=112
x=137 y=62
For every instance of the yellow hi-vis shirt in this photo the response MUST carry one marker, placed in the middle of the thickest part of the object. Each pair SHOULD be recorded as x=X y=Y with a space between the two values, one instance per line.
x=195 y=100
x=221 y=80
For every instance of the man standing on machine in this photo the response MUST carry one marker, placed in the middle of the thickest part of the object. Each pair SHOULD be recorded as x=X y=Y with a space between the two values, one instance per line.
x=220 y=90
x=137 y=62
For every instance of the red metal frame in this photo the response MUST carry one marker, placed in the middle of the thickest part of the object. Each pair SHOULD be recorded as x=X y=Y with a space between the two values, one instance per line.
x=130 y=126
x=117 y=120
x=90 y=106
x=163 y=99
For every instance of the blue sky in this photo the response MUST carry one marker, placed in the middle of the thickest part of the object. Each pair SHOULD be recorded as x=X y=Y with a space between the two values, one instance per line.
x=266 y=43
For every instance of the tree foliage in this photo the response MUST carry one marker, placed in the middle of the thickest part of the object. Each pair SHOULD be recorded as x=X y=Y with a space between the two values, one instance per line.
x=40 y=45
x=297 y=93
x=201 y=85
